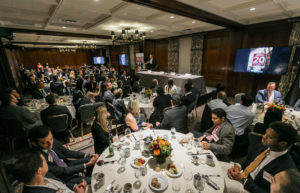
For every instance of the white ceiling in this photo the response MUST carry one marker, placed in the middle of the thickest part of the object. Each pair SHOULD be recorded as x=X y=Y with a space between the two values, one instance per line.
x=100 y=17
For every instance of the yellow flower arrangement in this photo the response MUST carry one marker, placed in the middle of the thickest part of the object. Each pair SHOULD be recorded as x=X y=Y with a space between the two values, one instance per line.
x=148 y=92
x=281 y=107
x=160 y=148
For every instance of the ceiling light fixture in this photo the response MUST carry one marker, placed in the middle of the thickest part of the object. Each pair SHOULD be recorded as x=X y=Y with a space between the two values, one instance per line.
x=252 y=9
x=64 y=27
x=128 y=36
x=171 y=17
x=193 y=22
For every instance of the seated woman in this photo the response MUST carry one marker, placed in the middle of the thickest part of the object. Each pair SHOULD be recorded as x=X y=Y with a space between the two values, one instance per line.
x=154 y=85
x=100 y=130
x=220 y=138
x=132 y=118
x=119 y=105
x=272 y=114
x=170 y=88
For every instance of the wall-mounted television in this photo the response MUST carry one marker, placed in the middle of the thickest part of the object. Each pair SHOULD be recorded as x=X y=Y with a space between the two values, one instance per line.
x=99 y=60
x=123 y=60
x=262 y=60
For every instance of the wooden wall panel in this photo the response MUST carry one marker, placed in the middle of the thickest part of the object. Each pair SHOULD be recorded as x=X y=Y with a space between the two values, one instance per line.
x=161 y=54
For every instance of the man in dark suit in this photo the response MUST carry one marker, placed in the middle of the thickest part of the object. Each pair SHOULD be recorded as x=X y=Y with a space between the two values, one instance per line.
x=270 y=159
x=57 y=86
x=69 y=166
x=54 y=109
x=39 y=92
x=151 y=63
x=136 y=87
x=32 y=170
x=188 y=97
x=108 y=95
x=269 y=95
x=175 y=117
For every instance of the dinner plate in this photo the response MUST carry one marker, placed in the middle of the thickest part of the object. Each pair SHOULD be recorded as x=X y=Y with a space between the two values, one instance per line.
x=179 y=171
x=161 y=179
x=135 y=166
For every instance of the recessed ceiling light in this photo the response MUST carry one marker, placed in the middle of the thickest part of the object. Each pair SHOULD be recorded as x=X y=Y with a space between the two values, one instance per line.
x=64 y=27
x=252 y=9
x=193 y=22
x=96 y=0
x=171 y=17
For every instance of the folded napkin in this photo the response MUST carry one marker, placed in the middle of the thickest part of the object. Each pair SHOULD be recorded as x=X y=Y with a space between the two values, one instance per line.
x=187 y=138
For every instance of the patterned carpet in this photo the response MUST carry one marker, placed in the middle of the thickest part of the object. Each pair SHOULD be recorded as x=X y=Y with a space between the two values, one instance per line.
x=83 y=144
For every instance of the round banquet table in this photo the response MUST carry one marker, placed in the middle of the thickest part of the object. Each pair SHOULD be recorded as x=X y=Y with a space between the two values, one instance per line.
x=179 y=156
x=145 y=106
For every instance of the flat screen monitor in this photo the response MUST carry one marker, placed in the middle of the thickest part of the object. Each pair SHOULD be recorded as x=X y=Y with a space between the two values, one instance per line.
x=99 y=60
x=123 y=59
x=263 y=60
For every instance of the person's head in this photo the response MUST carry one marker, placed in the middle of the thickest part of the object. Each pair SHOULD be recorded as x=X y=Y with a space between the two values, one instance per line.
x=160 y=90
x=118 y=93
x=41 y=137
x=154 y=82
x=218 y=116
x=246 y=100
x=176 y=99
x=8 y=99
x=279 y=136
x=101 y=115
x=30 y=167
x=32 y=78
x=40 y=85
x=271 y=86
x=150 y=56
x=120 y=83
x=220 y=87
x=68 y=84
x=273 y=114
x=221 y=95
x=170 y=83
x=285 y=182
x=108 y=86
x=79 y=84
x=51 y=99
x=187 y=87
x=13 y=92
x=134 y=108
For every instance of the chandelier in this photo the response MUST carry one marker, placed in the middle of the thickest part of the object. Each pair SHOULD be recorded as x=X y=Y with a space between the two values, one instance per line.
x=67 y=49
x=128 y=36
x=86 y=46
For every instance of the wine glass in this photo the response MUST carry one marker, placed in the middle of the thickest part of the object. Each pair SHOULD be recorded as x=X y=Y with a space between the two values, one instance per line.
x=188 y=176
x=127 y=132
x=176 y=185
x=121 y=138
x=137 y=184
x=189 y=148
x=140 y=135
x=122 y=162
x=173 y=132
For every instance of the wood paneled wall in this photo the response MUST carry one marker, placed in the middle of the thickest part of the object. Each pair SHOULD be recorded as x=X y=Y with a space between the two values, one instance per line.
x=219 y=55
x=31 y=56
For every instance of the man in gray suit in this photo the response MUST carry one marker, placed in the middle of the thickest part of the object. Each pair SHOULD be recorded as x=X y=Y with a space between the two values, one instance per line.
x=175 y=117
x=218 y=102
x=108 y=95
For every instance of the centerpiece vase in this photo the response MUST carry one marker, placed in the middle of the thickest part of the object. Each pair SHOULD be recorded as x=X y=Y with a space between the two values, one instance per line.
x=160 y=159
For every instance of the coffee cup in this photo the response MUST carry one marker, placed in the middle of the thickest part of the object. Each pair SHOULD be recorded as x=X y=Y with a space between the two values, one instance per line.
x=127 y=188
x=100 y=180
x=209 y=160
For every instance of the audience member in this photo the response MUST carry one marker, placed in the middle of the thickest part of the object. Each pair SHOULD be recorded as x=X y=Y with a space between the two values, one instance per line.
x=14 y=92
x=176 y=117
x=39 y=92
x=154 y=85
x=188 y=97
x=108 y=95
x=170 y=88
x=286 y=182
x=160 y=102
x=218 y=102
x=119 y=106
x=269 y=95
x=137 y=85
x=297 y=106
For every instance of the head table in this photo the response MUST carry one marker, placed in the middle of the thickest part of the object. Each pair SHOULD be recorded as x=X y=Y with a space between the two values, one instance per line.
x=179 y=156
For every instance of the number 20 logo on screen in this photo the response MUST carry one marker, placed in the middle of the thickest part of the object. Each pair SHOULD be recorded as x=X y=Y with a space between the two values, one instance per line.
x=259 y=59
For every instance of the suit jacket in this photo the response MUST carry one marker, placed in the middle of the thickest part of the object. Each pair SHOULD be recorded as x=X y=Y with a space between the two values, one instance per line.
x=136 y=87
x=74 y=166
x=226 y=134
x=57 y=87
x=39 y=94
x=175 y=117
x=259 y=184
x=55 y=110
x=152 y=66
x=262 y=96
x=188 y=99
x=162 y=101
x=101 y=138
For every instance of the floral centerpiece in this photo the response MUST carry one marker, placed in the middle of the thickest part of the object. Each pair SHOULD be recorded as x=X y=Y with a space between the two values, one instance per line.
x=281 y=107
x=112 y=80
x=148 y=92
x=161 y=149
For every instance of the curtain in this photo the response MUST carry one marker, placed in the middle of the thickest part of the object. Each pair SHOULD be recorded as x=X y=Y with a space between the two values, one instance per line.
x=196 y=54
x=173 y=55
x=287 y=80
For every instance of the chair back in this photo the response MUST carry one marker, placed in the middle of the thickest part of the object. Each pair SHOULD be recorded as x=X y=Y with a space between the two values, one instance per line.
x=203 y=99
x=190 y=107
x=238 y=97
x=196 y=101
x=254 y=141
x=86 y=112
x=12 y=128
x=58 y=123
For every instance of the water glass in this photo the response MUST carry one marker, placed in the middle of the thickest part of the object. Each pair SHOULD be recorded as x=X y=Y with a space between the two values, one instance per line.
x=189 y=148
x=127 y=131
x=173 y=132
x=176 y=185
x=196 y=143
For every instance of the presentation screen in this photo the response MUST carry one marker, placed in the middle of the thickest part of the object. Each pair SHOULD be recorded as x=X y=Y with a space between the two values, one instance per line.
x=123 y=59
x=268 y=60
x=99 y=60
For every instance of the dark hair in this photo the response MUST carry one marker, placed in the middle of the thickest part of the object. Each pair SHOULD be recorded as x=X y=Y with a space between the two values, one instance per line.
x=137 y=78
x=272 y=115
x=188 y=87
x=170 y=83
x=222 y=95
x=293 y=185
x=119 y=83
x=26 y=166
x=220 y=87
x=55 y=78
x=6 y=99
x=50 y=98
x=219 y=112
x=286 y=132
x=38 y=132
x=176 y=99
x=160 y=90
x=79 y=83
x=9 y=90
x=247 y=100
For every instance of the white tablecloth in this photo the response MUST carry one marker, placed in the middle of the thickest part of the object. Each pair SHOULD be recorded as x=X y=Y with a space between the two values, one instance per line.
x=179 y=156
x=145 y=106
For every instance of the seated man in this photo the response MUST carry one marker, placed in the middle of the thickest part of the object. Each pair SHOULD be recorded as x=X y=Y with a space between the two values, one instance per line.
x=241 y=116
x=286 y=182
x=31 y=169
x=188 y=97
x=269 y=95
x=175 y=117
x=218 y=102
x=272 y=157
x=39 y=92
x=108 y=95
x=54 y=109
x=57 y=86
x=65 y=164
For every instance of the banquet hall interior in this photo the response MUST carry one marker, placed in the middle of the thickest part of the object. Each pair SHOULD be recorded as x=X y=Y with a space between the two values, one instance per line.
x=149 y=96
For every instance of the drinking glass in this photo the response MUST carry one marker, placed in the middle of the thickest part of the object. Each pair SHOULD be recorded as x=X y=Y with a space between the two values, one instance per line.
x=176 y=185
x=173 y=132
x=137 y=174
x=127 y=132
x=140 y=135
x=188 y=176
x=121 y=138
x=189 y=148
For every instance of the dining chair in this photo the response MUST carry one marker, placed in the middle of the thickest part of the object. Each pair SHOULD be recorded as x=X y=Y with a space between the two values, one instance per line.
x=86 y=115
x=59 y=124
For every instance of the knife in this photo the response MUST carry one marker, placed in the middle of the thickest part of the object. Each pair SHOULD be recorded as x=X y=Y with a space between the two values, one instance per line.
x=201 y=153
x=110 y=185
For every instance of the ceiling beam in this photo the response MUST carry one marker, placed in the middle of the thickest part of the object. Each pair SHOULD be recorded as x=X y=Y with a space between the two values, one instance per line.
x=54 y=33
x=185 y=10
x=282 y=5
x=52 y=12
x=47 y=43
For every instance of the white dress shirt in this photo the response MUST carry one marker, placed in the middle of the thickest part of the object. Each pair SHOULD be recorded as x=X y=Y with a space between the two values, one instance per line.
x=55 y=185
x=271 y=97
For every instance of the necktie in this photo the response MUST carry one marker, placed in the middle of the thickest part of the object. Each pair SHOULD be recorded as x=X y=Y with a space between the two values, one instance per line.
x=56 y=159
x=254 y=164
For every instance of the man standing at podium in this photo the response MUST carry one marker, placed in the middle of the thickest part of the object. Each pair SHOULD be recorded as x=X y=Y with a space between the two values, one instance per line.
x=151 y=63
